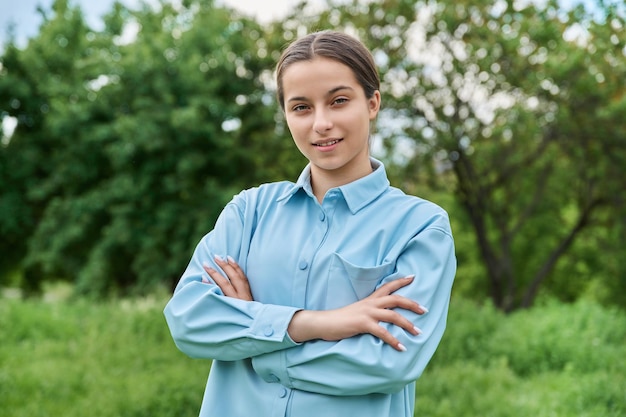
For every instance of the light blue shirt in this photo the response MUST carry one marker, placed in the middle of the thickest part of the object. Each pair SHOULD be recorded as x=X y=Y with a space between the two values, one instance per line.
x=300 y=254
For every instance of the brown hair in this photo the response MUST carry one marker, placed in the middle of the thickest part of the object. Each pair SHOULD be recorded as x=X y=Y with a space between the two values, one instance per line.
x=333 y=45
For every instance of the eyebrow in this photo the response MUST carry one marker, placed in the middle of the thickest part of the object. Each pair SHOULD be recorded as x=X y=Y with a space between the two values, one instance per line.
x=330 y=92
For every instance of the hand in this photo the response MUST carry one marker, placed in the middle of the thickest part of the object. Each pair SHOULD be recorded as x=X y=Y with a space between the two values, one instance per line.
x=361 y=317
x=236 y=284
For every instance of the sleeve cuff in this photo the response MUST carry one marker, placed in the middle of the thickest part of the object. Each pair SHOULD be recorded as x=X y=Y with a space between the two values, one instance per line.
x=272 y=322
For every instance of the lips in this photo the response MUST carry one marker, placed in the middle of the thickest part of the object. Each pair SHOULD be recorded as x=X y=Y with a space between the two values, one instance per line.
x=327 y=143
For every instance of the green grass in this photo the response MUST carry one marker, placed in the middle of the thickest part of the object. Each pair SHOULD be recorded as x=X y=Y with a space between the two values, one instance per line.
x=557 y=360
x=103 y=359
x=94 y=359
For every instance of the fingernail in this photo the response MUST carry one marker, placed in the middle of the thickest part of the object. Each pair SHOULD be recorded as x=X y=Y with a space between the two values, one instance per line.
x=409 y=277
x=401 y=347
x=424 y=309
x=229 y=259
x=206 y=265
x=219 y=258
x=417 y=329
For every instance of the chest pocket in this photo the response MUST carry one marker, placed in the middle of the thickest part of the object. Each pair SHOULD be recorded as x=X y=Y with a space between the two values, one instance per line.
x=348 y=283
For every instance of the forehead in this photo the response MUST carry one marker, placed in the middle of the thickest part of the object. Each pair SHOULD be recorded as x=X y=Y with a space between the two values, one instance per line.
x=317 y=75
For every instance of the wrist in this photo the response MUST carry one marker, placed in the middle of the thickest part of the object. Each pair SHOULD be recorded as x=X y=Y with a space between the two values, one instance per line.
x=303 y=326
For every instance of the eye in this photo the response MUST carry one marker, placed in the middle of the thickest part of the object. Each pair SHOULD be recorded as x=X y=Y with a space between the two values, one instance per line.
x=300 y=108
x=340 y=101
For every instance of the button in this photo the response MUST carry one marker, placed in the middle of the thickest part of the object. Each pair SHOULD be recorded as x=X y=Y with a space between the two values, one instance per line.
x=303 y=265
x=322 y=216
x=268 y=331
x=272 y=378
x=283 y=392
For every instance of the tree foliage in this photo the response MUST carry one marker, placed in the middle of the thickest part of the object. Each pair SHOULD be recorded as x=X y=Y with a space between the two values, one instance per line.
x=131 y=149
x=518 y=109
x=510 y=113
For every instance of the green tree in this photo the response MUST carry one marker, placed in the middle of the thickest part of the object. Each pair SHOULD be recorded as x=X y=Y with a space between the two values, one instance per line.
x=143 y=140
x=538 y=174
x=33 y=83
x=516 y=109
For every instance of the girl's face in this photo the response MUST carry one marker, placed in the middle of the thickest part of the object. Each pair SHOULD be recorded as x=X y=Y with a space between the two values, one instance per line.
x=329 y=117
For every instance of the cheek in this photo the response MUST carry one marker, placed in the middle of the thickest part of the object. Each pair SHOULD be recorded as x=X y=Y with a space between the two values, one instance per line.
x=297 y=128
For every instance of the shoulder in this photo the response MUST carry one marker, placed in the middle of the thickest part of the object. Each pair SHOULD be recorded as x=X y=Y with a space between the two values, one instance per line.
x=262 y=195
x=417 y=211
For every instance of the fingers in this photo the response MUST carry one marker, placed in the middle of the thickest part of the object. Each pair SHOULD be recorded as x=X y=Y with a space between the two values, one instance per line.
x=386 y=298
x=219 y=280
x=376 y=329
x=397 y=319
x=388 y=338
x=398 y=301
x=393 y=286
x=236 y=275
x=235 y=284
x=231 y=273
x=387 y=316
x=385 y=301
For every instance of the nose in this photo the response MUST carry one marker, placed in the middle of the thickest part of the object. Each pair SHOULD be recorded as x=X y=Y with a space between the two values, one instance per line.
x=322 y=122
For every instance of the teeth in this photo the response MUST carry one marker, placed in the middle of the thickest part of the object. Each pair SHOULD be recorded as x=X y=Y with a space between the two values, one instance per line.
x=332 y=142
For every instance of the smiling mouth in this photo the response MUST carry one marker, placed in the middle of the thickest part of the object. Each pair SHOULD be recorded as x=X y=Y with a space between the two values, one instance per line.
x=329 y=143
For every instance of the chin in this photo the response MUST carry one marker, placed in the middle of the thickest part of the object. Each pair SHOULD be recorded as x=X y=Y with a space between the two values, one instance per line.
x=330 y=166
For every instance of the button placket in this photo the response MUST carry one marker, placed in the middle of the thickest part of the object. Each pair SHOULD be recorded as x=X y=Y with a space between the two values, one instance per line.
x=281 y=403
x=319 y=229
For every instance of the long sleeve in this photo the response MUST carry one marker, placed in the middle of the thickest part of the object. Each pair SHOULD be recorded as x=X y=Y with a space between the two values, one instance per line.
x=300 y=253
x=363 y=364
x=206 y=324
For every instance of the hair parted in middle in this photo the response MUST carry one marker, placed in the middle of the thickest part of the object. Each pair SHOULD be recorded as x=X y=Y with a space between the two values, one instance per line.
x=333 y=45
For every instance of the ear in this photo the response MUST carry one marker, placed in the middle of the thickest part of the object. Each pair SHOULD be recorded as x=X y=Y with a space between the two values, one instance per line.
x=374 y=104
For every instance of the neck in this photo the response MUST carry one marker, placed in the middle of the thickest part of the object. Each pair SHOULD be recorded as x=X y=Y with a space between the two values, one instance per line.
x=324 y=180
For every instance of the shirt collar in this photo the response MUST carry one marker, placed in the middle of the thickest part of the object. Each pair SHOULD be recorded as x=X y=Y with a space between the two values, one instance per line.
x=357 y=194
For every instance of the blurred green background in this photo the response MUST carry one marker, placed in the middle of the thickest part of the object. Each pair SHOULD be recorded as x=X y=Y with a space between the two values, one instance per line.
x=121 y=145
